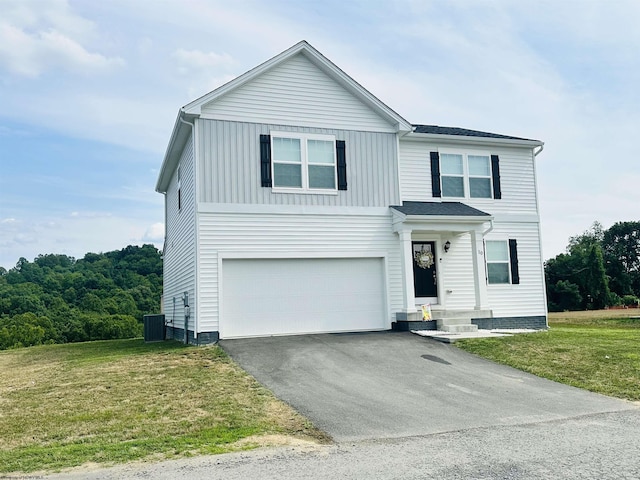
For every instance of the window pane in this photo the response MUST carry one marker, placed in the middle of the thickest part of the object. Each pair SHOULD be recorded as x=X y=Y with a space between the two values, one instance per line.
x=320 y=151
x=479 y=166
x=322 y=177
x=451 y=164
x=497 y=251
x=480 y=187
x=498 y=272
x=287 y=175
x=286 y=149
x=452 y=187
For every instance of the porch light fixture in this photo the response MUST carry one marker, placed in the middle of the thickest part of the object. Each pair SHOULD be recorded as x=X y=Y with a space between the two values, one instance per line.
x=447 y=246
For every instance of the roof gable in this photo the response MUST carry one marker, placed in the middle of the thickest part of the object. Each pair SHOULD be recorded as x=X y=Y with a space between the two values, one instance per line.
x=290 y=86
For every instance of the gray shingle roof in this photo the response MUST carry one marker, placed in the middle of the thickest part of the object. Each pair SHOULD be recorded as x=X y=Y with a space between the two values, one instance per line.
x=465 y=132
x=454 y=209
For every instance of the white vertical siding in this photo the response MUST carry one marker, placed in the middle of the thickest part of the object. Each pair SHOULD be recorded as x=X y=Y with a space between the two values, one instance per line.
x=180 y=252
x=292 y=235
x=229 y=166
x=517 y=178
x=296 y=92
x=526 y=298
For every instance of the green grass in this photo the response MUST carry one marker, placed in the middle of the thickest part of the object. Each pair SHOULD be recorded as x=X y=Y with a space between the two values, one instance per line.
x=597 y=351
x=116 y=401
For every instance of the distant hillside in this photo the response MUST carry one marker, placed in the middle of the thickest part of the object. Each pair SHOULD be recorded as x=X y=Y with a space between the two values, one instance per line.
x=58 y=299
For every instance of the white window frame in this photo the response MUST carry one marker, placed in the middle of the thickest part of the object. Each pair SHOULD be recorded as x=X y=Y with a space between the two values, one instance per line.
x=465 y=172
x=508 y=261
x=304 y=138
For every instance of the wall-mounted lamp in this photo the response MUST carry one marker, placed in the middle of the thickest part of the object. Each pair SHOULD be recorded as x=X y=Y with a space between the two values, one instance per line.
x=447 y=246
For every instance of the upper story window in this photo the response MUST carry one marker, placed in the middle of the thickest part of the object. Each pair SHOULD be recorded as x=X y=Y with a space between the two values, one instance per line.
x=465 y=175
x=305 y=162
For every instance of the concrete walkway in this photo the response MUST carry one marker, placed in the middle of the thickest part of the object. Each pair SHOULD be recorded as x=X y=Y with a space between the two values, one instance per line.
x=452 y=337
x=395 y=384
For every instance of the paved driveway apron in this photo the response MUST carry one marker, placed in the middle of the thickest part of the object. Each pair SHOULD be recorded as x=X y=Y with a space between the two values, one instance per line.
x=386 y=385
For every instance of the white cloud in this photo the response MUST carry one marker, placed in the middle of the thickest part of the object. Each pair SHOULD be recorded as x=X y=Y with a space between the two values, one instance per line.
x=190 y=60
x=30 y=55
x=36 y=37
x=154 y=234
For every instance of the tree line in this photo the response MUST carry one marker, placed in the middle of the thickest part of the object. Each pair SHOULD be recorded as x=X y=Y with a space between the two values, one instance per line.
x=58 y=299
x=601 y=268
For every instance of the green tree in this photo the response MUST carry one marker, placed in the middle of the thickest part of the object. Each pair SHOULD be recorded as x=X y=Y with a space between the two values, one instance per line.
x=621 y=245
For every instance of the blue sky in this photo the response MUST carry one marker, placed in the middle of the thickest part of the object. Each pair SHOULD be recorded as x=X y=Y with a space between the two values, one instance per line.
x=89 y=92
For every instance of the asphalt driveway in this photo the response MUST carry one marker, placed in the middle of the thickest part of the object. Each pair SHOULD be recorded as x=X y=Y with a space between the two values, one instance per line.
x=388 y=384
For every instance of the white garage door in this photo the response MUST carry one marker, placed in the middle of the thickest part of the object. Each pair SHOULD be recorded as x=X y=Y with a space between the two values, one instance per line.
x=263 y=297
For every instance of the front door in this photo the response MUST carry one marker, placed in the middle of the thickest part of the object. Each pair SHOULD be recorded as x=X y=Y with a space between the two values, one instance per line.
x=424 y=270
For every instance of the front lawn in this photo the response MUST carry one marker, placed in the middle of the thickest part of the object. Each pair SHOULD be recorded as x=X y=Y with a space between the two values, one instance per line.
x=597 y=351
x=116 y=401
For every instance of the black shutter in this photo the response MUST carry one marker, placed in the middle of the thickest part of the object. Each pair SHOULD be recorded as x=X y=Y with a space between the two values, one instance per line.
x=495 y=173
x=341 y=165
x=265 y=160
x=513 y=258
x=435 y=174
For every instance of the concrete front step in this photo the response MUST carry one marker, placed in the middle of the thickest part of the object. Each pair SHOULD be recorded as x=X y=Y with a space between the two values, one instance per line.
x=458 y=328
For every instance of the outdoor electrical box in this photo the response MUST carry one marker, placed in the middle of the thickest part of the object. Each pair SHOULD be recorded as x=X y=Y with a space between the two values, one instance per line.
x=153 y=328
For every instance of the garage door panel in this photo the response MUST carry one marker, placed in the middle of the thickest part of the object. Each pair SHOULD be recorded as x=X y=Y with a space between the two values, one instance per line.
x=290 y=296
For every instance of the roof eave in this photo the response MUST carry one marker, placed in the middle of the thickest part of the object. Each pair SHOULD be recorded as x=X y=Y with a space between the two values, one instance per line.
x=172 y=154
x=449 y=218
x=467 y=139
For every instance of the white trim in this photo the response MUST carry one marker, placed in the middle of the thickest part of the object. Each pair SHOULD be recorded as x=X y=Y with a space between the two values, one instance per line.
x=436 y=239
x=466 y=176
x=508 y=261
x=328 y=254
x=249 y=254
x=196 y=216
x=304 y=163
x=289 y=123
x=254 y=208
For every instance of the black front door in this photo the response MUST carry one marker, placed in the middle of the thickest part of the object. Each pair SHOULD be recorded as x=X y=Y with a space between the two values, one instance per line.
x=424 y=269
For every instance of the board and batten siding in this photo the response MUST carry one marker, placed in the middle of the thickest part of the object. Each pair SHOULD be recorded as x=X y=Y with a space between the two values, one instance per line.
x=527 y=298
x=229 y=166
x=517 y=177
x=263 y=235
x=297 y=92
x=179 y=254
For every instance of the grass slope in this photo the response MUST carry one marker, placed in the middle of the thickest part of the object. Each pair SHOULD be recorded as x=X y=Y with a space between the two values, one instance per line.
x=116 y=401
x=597 y=351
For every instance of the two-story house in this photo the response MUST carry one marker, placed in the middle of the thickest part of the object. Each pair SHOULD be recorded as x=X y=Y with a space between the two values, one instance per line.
x=297 y=202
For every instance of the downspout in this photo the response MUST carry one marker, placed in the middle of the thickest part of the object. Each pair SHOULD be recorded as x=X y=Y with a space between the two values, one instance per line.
x=188 y=315
x=544 y=286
